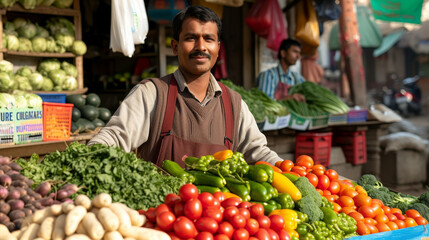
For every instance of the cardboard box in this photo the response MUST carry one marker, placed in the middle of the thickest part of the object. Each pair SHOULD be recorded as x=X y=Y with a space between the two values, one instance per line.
x=279 y=123
x=28 y=125
x=298 y=122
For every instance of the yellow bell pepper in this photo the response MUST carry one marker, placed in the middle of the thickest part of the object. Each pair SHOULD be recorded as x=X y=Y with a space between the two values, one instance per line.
x=231 y=195
x=222 y=155
x=293 y=233
x=284 y=185
x=290 y=217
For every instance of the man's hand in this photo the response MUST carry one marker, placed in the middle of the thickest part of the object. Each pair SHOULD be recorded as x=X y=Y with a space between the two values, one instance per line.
x=296 y=96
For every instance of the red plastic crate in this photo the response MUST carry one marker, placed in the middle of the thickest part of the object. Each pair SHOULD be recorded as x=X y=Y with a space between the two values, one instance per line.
x=353 y=145
x=56 y=121
x=315 y=145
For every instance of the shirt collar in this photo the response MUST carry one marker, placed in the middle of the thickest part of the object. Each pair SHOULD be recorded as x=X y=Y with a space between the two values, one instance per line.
x=280 y=69
x=213 y=89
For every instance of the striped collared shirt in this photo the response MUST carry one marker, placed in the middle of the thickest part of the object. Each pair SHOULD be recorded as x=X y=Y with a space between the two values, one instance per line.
x=268 y=80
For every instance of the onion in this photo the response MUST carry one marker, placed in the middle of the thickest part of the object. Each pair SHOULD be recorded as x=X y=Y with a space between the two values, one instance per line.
x=43 y=189
x=5 y=180
x=3 y=192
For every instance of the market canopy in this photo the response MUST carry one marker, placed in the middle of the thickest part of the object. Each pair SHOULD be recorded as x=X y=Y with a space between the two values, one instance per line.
x=408 y=11
x=370 y=34
x=388 y=42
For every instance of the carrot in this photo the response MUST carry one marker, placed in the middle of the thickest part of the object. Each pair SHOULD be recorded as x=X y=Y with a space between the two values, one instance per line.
x=276 y=169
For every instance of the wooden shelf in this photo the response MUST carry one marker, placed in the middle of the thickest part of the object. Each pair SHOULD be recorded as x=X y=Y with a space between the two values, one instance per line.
x=42 y=10
x=77 y=91
x=37 y=54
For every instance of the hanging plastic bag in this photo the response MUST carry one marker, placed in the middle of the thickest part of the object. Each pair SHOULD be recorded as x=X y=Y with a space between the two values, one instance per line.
x=121 y=36
x=277 y=32
x=259 y=18
x=307 y=26
x=139 y=19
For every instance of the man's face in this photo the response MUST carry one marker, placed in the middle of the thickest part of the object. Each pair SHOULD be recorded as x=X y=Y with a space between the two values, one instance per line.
x=292 y=55
x=198 y=46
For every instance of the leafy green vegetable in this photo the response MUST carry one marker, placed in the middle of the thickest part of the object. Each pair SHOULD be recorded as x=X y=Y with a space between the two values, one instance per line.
x=99 y=168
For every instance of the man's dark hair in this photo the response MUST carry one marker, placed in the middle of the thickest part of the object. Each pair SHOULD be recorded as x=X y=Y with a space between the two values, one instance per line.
x=286 y=44
x=201 y=13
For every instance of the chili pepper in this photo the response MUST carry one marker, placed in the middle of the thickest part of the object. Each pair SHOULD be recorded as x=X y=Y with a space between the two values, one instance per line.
x=269 y=171
x=222 y=168
x=290 y=217
x=206 y=178
x=302 y=217
x=307 y=236
x=176 y=170
x=327 y=203
x=258 y=192
x=199 y=163
x=222 y=155
x=210 y=189
x=224 y=190
x=257 y=174
x=285 y=201
x=346 y=223
x=320 y=231
x=272 y=190
x=329 y=216
x=240 y=189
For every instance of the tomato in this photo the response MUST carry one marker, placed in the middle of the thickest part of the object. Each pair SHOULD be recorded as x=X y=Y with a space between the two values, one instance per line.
x=308 y=164
x=283 y=235
x=350 y=192
x=395 y=210
x=362 y=200
x=244 y=212
x=377 y=201
x=391 y=217
x=421 y=220
x=171 y=199
x=263 y=234
x=357 y=216
x=193 y=209
x=238 y=221
x=264 y=221
x=412 y=213
x=337 y=207
x=331 y=198
x=385 y=209
x=207 y=199
x=326 y=193
x=410 y=222
x=219 y=196
x=206 y=224
x=225 y=228
x=383 y=227
x=370 y=221
x=332 y=174
x=229 y=202
x=149 y=224
x=256 y=210
x=334 y=187
x=401 y=224
x=376 y=207
x=318 y=172
x=392 y=225
x=252 y=226
x=362 y=228
x=323 y=182
x=305 y=159
x=204 y=236
x=299 y=170
x=381 y=218
x=278 y=163
x=367 y=211
x=399 y=216
x=188 y=191
x=151 y=215
x=162 y=208
x=273 y=234
x=277 y=222
x=173 y=236
x=216 y=203
x=221 y=237
x=165 y=221
x=319 y=167
x=286 y=165
x=347 y=210
x=345 y=201
x=312 y=178
x=230 y=212
x=184 y=228
x=214 y=213
x=245 y=205
x=320 y=191
x=372 y=228
x=240 y=234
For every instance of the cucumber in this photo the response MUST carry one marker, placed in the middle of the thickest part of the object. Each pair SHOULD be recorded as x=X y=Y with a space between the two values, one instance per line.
x=208 y=179
x=210 y=189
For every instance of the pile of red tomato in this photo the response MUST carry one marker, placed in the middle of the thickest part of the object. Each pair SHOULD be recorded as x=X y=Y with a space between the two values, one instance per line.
x=207 y=216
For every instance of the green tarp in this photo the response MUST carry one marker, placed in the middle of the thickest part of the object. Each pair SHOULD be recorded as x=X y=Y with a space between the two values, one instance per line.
x=388 y=42
x=408 y=11
x=370 y=34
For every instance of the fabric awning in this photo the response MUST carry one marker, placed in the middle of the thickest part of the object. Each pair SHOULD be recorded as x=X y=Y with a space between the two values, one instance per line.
x=388 y=42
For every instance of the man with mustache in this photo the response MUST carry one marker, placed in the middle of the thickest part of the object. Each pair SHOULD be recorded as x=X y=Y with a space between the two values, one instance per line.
x=187 y=113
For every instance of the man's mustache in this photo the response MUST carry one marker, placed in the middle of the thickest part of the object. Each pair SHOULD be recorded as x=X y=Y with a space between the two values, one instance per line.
x=200 y=54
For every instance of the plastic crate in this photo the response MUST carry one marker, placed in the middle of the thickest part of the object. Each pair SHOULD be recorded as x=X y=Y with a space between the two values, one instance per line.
x=53 y=97
x=353 y=145
x=354 y=116
x=315 y=145
x=56 y=121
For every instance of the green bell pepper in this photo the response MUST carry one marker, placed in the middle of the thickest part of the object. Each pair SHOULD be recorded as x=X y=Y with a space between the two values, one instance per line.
x=285 y=200
x=269 y=171
x=258 y=192
x=302 y=217
x=307 y=236
x=346 y=223
x=327 y=203
x=257 y=174
x=329 y=216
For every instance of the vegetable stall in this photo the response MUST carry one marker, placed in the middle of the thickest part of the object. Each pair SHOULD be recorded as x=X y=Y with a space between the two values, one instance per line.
x=100 y=192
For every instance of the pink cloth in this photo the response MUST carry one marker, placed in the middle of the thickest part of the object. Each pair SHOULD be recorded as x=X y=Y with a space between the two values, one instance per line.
x=310 y=70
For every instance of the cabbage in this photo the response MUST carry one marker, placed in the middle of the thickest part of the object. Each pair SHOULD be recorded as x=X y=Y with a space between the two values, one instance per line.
x=57 y=88
x=78 y=48
x=57 y=76
x=12 y=43
x=41 y=32
x=6 y=66
x=24 y=71
x=63 y=3
x=9 y=26
x=70 y=83
x=28 y=30
x=60 y=49
x=28 y=4
x=48 y=65
x=36 y=80
x=64 y=40
x=69 y=68
x=6 y=100
x=60 y=25
x=20 y=101
x=7 y=3
x=46 y=2
x=23 y=83
x=39 y=44
x=4 y=42
x=33 y=100
x=51 y=45
x=25 y=45
x=19 y=22
x=48 y=85
x=7 y=83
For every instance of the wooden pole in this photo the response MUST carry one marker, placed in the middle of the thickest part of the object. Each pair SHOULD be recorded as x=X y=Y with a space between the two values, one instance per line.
x=351 y=53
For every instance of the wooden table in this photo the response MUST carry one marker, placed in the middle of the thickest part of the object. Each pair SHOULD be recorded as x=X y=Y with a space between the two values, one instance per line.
x=41 y=148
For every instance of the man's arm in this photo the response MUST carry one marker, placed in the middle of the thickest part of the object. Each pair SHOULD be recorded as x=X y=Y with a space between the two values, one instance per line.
x=129 y=126
x=252 y=143
x=267 y=83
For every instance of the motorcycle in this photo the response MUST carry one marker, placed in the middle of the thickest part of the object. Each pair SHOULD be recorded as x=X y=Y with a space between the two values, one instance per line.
x=405 y=99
